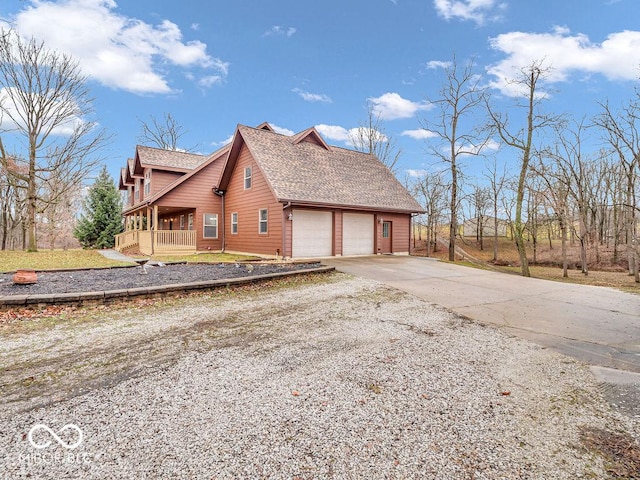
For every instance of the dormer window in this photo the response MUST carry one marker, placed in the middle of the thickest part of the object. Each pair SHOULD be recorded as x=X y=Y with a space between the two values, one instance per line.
x=247 y=178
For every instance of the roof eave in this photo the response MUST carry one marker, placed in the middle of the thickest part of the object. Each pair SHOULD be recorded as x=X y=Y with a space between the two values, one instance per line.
x=368 y=208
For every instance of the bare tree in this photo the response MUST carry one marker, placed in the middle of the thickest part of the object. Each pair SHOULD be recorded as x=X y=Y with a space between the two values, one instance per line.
x=621 y=131
x=497 y=182
x=164 y=133
x=431 y=190
x=459 y=99
x=371 y=137
x=522 y=140
x=45 y=102
x=480 y=200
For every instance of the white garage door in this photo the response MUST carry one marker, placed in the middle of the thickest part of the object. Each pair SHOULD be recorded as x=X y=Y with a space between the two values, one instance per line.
x=357 y=234
x=312 y=233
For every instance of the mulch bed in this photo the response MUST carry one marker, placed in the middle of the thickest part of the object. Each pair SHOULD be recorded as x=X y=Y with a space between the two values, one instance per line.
x=124 y=278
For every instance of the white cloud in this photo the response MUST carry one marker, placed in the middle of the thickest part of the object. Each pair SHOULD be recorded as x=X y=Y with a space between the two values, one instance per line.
x=210 y=80
x=616 y=58
x=435 y=64
x=278 y=30
x=117 y=51
x=391 y=106
x=312 y=97
x=333 y=132
x=478 y=11
x=282 y=130
x=416 y=173
x=471 y=149
x=224 y=142
x=351 y=136
x=420 y=134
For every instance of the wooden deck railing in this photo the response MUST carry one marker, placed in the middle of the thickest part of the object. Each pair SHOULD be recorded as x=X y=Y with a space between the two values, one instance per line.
x=161 y=241
x=126 y=240
x=174 y=240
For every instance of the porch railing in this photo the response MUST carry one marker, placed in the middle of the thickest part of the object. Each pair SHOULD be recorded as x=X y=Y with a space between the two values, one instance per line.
x=174 y=240
x=161 y=241
x=127 y=239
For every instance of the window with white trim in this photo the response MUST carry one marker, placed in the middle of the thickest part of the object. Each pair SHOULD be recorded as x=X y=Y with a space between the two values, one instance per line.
x=181 y=222
x=263 y=219
x=147 y=183
x=210 y=228
x=190 y=225
x=234 y=223
x=247 y=178
x=136 y=191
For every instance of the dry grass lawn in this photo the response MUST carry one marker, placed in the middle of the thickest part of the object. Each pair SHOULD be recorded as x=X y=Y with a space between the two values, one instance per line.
x=11 y=260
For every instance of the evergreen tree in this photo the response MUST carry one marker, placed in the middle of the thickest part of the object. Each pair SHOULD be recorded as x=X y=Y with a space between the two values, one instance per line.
x=102 y=218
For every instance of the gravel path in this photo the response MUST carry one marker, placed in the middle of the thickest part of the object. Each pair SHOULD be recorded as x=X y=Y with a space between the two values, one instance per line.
x=131 y=277
x=332 y=378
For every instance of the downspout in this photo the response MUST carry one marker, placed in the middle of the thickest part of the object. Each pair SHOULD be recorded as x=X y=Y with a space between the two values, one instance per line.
x=284 y=230
x=220 y=193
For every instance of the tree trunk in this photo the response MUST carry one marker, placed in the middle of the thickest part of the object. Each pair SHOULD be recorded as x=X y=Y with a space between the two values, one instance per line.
x=453 y=224
x=563 y=233
x=518 y=227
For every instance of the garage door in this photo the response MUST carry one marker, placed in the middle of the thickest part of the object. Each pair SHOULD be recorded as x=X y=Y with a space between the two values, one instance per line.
x=357 y=234
x=312 y=233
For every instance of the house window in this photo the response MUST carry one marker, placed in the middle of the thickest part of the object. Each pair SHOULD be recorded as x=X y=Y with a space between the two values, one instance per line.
x=210 y=225
x=136 y=191
x=147 y=183
x=234 y=223
x=263 y=221
x=247 y=178
x=181 y=222
x=190 y=225
x=385 y=229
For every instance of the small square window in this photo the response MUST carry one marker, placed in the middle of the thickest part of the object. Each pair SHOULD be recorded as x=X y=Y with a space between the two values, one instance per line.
x=210 y=225
x=263 y=221
x=247 y=178
x=234 y=223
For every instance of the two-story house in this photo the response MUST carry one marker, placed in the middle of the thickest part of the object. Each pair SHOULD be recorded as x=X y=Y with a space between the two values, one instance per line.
x=265 y=193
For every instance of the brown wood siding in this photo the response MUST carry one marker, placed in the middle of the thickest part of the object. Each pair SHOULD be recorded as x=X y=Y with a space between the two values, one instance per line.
x=400 y=231
x=160 y=179
x=248 y=203
x=196 y=193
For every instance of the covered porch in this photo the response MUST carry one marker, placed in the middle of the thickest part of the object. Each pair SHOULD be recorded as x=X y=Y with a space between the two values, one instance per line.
x=158 y=230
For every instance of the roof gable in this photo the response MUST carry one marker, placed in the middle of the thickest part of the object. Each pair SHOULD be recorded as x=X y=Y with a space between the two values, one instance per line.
x=302 y=171
x=216 y=156
x=310 y=135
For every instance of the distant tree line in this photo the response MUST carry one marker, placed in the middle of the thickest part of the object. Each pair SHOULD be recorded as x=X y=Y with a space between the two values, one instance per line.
x=563 y=188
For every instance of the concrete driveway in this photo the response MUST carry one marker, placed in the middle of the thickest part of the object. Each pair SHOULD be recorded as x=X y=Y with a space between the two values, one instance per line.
x=596 y=325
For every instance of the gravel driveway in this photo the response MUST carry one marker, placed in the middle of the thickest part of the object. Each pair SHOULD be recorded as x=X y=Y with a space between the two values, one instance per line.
x=333 y=377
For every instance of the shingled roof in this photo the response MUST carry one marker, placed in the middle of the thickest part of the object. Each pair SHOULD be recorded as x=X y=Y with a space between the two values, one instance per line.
x=305 y=172
x=171 y=159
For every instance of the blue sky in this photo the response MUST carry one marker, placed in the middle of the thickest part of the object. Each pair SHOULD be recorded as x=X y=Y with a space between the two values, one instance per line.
x=213 y=64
